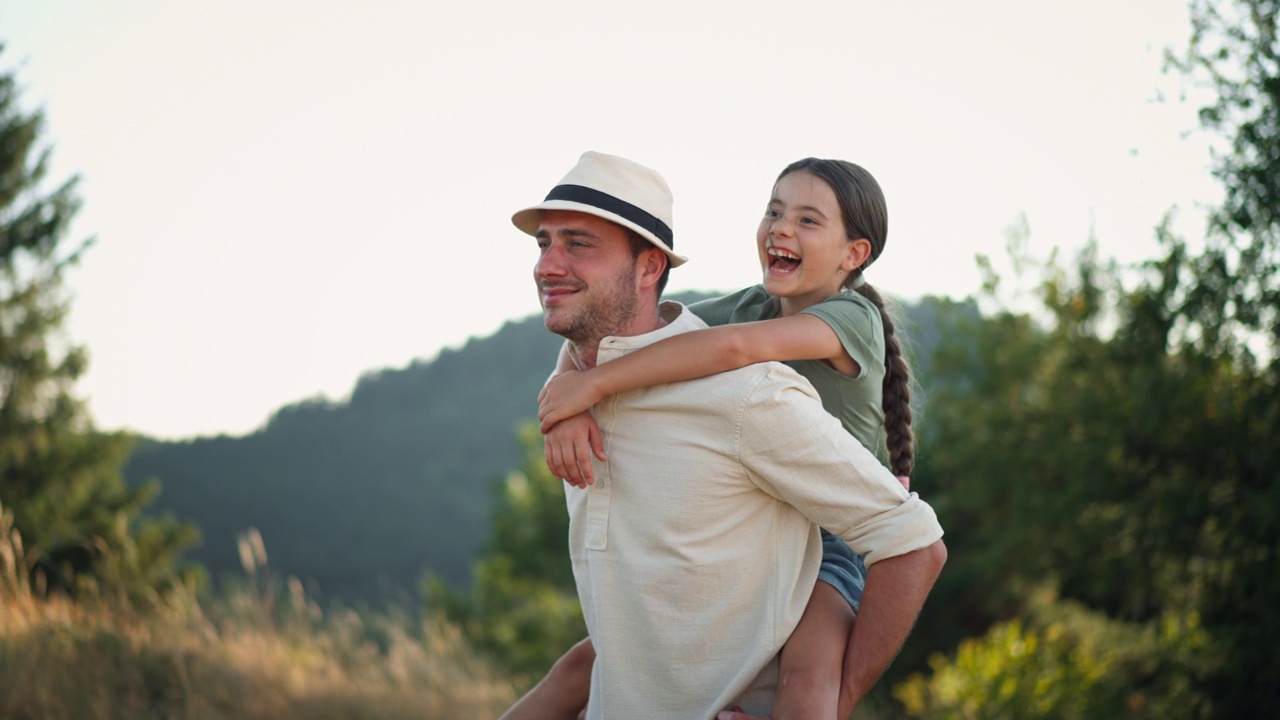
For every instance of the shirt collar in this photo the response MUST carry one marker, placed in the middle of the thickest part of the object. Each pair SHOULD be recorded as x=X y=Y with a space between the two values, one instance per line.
x=678 y=318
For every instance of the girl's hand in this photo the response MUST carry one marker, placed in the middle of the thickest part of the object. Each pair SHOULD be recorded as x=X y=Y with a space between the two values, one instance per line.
x=906 y=482
x=564 y=396
x=568 y=447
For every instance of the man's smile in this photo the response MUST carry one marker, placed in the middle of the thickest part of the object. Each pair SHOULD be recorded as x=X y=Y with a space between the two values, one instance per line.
x=553 y=293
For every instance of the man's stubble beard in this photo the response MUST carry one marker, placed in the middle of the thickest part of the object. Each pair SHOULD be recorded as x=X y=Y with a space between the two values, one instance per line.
x=607 y=313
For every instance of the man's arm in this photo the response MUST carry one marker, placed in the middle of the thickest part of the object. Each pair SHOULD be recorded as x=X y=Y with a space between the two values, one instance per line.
x=563 y=693
x=895 y=591
x=838 y=484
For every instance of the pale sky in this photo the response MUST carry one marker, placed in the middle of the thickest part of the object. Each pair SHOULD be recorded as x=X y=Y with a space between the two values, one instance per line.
x=288 y=194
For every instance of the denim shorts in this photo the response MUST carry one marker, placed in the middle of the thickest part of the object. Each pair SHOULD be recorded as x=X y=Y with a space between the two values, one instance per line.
x=842 y=569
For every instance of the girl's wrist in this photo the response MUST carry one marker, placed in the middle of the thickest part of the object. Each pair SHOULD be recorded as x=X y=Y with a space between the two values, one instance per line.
x=598 y=383
x=595 y=385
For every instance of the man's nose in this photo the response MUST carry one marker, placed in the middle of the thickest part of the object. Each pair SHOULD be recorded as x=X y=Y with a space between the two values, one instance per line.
x=550 y=263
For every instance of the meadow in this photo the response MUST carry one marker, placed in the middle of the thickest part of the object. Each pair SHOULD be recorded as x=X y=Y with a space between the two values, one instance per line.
x=260 y=651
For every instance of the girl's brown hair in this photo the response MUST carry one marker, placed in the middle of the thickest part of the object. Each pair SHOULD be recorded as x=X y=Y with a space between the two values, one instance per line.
x=866 y=215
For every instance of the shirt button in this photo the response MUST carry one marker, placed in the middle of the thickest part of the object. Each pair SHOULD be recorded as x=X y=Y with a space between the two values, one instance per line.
x=600 y=483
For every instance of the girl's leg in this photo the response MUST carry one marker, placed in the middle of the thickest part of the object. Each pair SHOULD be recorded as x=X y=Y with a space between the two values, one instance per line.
x=812 y=663
x=563 y=693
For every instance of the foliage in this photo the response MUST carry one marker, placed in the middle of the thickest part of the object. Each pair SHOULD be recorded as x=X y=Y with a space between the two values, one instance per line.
x=523 y=605
x=1235 y=53
x=58 y=476
x=1063 y=662
x=1119 y=448
x=1131 y=473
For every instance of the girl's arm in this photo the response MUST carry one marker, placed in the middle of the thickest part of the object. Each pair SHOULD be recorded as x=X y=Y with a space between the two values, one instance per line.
x=693 y=355
x=564 y=363
x=567 y=447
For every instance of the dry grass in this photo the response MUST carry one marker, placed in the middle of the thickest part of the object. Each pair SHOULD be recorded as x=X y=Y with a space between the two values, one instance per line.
x=248 y=657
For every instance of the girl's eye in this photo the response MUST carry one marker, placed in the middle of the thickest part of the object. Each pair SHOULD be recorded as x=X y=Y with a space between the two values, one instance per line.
x=808 y=220
x=771 y=213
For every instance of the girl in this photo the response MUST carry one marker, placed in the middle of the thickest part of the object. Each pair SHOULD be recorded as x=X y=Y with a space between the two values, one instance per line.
x=825 y=223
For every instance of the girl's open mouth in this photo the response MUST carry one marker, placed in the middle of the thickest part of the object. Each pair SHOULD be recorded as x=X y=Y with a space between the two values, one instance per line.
x=782 y=261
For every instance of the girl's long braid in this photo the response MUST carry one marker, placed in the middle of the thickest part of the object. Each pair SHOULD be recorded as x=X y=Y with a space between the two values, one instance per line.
x=897 y=392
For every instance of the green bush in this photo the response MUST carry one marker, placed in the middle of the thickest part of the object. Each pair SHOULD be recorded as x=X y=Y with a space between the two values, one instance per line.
x=1064 y=661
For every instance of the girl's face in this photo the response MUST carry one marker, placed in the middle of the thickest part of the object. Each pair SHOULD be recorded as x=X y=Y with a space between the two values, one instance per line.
x=802 y=242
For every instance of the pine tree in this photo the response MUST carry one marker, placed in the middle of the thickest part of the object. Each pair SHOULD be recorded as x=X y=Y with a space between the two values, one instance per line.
x=81 y=525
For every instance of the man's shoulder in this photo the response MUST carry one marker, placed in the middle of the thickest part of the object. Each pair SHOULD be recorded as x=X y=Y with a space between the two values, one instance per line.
x=679 y=317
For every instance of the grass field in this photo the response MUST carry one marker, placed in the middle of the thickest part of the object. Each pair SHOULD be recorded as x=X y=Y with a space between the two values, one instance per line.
x=261 y=652
x=62 y=660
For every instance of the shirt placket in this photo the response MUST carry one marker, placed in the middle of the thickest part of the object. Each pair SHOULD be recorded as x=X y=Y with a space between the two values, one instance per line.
x=600 y=494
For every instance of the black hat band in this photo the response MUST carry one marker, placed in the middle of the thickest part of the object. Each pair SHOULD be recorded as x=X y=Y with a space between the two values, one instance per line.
x=621 y=208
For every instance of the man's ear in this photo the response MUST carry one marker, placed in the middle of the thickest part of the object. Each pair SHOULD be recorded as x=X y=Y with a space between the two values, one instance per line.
x=651 y=264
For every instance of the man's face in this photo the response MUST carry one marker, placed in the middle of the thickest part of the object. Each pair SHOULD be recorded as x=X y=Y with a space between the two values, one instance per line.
x=586 y=275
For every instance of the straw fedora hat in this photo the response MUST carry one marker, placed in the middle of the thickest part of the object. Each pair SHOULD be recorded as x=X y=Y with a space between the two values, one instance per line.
x=617 y=190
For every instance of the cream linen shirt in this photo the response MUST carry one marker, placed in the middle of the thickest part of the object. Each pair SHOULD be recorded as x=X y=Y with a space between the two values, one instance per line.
x=697 y=548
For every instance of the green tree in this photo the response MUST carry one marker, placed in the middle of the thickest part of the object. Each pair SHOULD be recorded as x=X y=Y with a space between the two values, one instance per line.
x=523 y=605
x=1234 y=52
x=60 y=477
x=1224 y=306
x=1111 y=457
x=1119 y=447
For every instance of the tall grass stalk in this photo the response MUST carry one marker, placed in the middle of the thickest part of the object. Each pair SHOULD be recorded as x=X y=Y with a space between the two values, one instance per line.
x=264 y=651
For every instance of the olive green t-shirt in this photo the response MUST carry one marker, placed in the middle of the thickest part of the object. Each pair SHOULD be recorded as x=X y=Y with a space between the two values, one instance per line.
x=857 y=401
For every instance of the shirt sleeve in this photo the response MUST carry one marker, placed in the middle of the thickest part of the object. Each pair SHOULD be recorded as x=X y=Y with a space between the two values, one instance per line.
x=822 y=471
x=747 y=304
x=714 y=311
x=858 y=325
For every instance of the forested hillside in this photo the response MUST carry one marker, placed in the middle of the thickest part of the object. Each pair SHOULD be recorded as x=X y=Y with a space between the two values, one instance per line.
x=386 y=485
x=360 y=498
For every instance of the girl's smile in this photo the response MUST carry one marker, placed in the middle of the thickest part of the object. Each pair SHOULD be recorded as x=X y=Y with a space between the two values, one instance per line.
x=802 y=242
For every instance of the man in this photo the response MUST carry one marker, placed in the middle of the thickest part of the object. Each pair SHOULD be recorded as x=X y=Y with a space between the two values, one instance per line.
x=696 y=549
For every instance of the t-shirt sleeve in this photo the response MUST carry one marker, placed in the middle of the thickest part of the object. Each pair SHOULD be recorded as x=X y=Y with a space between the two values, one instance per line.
x=857 y=323
x=748 y=304
x=822 y=471
x=716 y=311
